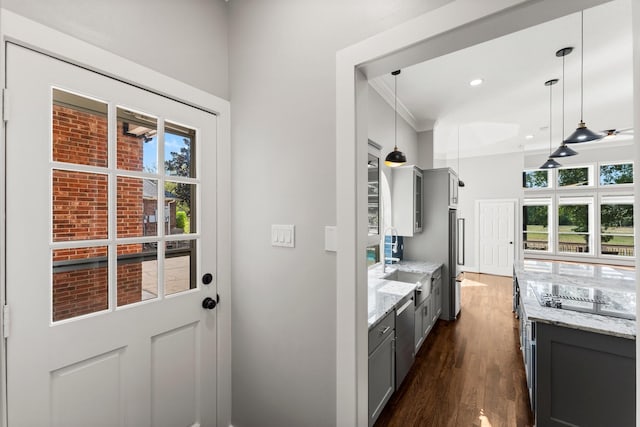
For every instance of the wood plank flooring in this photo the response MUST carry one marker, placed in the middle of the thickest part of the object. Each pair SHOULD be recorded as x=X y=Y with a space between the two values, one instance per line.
x=468 y=372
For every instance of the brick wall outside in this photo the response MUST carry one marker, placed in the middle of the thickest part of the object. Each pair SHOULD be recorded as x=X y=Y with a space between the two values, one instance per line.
x=80 y=213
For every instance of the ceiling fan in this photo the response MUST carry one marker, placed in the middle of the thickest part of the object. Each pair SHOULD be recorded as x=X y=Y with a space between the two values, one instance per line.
x=610 y=133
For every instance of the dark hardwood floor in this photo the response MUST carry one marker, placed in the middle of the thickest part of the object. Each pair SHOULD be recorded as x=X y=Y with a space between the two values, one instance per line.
x=468 y=372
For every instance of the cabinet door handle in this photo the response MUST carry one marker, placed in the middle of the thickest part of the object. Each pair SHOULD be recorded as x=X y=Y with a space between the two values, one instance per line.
x=384 y=330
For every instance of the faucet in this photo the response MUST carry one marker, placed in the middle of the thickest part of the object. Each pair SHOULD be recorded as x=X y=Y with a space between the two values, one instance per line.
x=394 y=247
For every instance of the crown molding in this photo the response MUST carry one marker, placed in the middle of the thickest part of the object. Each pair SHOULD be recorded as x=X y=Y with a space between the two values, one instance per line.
x=387 y=94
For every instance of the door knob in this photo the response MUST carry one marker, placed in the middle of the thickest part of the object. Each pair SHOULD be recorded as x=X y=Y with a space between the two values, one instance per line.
x=209 y=303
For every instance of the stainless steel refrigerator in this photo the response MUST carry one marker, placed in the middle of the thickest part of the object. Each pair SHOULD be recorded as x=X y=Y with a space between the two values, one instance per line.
x=442 y=237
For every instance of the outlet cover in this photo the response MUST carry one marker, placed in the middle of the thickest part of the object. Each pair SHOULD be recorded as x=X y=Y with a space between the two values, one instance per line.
x=283 y=235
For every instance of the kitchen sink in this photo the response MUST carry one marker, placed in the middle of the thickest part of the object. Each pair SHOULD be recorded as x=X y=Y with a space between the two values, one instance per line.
x=407 y=277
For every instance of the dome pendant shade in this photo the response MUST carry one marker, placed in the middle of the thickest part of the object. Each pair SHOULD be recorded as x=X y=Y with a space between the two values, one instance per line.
x=550 y=164
x=563 y=151
x=395 y=158
x=582 y=134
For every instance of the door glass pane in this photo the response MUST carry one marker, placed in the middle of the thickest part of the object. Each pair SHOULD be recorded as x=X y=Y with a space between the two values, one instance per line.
x=137 y=273
x=178 y=150
x=179 y=266
x=137 y=141
x=373 y=194
x=137 y=207
x=79 y=205
x=179 y=208
x=80 y=282
x=79 y=129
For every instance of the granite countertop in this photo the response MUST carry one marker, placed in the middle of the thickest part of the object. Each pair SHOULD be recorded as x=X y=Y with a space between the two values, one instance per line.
x=616 y=286
x=384 y=295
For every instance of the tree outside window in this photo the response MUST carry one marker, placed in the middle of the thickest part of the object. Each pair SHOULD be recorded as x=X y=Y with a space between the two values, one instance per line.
x=573 y=177
x=574 y=232
x=535 y=179
x=616 y=229
x=614 y=174
x=535 y=233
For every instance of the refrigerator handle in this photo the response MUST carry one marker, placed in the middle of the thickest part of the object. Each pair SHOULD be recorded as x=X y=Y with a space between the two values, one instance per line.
x=461 y=238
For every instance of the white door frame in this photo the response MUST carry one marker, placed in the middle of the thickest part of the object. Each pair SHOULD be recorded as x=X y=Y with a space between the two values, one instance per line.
x=516 y=227
x=454 y=26
x=43 y=39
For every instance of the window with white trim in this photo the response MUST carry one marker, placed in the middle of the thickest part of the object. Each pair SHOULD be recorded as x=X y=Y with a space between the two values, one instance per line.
x=580 y=176
x=616 y=174
x=575 y=225
x=537 y=178
x=536 y=225
x=616 y=226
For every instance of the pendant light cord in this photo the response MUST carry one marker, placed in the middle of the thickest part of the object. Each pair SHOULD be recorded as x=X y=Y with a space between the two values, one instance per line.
x=550 y=118
x=395 y=112
x=563 y=99
x=581 y=65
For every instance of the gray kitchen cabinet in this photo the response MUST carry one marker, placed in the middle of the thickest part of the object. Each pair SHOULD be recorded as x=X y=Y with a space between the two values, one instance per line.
x=436 y=296
x=419 y=332
x=423 y=321
x=427 y=317
x=381 y=365
x=453 y=189
x=407 y=200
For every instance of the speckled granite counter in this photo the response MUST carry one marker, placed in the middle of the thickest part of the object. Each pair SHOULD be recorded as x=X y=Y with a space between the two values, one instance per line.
x=384 y=295
x=615 y=285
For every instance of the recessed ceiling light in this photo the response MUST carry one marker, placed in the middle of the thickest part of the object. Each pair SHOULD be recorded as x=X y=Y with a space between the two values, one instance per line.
x=476 y=82
x=528 y=137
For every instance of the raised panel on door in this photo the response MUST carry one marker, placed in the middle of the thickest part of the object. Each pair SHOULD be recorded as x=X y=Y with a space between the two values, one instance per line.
x=105 y=251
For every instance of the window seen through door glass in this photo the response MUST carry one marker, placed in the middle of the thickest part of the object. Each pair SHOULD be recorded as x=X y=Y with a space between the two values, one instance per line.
x=137 y=141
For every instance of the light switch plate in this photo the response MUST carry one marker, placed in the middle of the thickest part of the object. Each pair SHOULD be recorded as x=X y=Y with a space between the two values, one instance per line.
x=283 y=235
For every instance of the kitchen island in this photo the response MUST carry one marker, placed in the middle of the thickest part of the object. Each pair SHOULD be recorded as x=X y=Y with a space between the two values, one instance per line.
x=577 y=333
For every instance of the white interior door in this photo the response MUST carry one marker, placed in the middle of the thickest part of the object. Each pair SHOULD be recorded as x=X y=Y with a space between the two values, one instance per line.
x=496 y=237
x=110 y=199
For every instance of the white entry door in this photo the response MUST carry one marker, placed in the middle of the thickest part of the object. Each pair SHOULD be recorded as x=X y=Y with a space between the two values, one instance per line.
x=110 y=251
x=496 y=237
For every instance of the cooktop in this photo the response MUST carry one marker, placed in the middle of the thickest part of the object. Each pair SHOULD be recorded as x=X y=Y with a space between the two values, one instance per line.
x=602 y=301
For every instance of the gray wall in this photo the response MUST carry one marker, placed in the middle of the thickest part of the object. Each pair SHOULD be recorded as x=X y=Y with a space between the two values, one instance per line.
x=425 y=149
x=186 y=39
x=282 y=68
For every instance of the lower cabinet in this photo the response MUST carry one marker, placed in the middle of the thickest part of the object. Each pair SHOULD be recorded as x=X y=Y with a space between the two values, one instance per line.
x=436 y=299
x=423 y=318
x=381 y=365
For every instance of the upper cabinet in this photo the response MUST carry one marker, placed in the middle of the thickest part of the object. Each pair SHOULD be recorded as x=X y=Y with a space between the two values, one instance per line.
x=453 y=189
x=440 y=185
x=407 y=200
x=373 y=189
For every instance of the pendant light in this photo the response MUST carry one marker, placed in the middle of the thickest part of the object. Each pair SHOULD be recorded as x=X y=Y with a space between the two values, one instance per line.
x=563 y=150
x=582 y=133
x=460 y=181
x=550 y=163
x=396 y=157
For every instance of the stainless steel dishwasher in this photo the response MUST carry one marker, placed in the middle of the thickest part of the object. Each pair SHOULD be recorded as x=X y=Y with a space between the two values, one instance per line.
x=404 y=340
